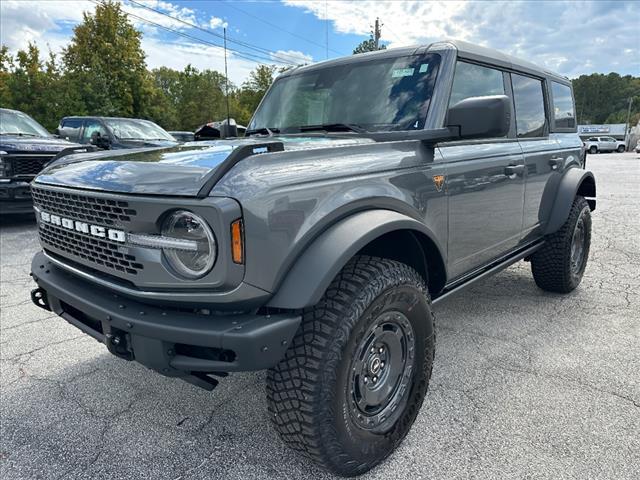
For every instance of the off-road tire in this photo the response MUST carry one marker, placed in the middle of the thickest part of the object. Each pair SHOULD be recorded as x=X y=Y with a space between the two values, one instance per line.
x=551 y=265
x=308 y=392
x=593 y=150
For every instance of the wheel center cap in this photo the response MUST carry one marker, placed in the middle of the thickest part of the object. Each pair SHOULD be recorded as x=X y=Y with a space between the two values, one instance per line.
x=374 y=365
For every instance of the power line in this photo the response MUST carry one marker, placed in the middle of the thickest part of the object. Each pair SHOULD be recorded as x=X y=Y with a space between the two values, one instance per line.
x=244 y=55
x=250 y=46
x=277 y=27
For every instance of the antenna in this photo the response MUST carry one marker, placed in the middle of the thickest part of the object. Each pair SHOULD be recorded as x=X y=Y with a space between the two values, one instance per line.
x=226 y=76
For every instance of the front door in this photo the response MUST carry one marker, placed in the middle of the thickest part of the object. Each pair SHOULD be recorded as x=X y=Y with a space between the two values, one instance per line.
x=485 y=181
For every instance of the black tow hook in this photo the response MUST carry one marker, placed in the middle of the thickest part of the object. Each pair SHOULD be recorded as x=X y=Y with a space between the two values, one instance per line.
x=40 y=299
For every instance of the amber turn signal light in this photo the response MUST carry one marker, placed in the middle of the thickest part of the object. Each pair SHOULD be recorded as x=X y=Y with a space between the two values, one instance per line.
x=237 y=242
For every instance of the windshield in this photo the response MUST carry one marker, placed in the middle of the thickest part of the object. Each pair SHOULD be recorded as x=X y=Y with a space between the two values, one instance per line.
x=18 y=123
x=132 y=129
x=374 y=95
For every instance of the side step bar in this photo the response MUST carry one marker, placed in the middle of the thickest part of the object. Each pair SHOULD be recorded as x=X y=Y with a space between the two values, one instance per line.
x=486 y=271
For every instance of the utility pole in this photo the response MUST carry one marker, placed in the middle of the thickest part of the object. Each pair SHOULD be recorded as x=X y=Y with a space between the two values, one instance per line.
x=226 y=76
x=627 y=127
x=376 y=33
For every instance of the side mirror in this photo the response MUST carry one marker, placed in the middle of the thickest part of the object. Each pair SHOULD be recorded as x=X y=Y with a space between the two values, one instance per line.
x=100 y=141
x=481 y=117
x=228 y=129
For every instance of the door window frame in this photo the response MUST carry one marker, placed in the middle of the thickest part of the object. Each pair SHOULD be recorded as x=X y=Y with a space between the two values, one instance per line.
x=545 y=103
x=553 y=128
x=508 y=91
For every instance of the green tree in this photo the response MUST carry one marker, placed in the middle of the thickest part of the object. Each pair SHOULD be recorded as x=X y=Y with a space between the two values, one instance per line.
x=106 y=63
x=6 y=65
x=368 y=46
x=252 y=91
x=604 y=98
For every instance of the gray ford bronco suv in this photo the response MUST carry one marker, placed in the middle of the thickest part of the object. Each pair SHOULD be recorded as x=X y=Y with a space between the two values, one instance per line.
x=368 y=189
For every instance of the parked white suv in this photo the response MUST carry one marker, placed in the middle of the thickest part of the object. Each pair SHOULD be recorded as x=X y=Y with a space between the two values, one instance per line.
x=604 y=144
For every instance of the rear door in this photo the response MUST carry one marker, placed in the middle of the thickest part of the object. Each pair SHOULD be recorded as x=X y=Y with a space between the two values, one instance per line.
x=540 y=150
x=485 y=181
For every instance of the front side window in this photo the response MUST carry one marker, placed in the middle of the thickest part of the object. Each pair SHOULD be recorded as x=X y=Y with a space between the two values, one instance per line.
x=475 y=81
x=17 y=123
x=375 y=95
x=563 y=108
x=93 y=127
x=529 y=102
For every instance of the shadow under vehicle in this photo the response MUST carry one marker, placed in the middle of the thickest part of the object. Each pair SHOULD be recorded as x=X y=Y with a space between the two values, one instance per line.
x=25 y=147
x=367 y=189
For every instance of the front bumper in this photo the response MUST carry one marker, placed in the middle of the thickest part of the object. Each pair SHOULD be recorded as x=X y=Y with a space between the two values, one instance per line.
x=15 y=198
x=175 y=343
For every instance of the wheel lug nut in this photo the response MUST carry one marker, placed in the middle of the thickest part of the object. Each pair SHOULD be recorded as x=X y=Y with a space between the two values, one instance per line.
x=375 y=379
x=381 y=365
x=381 y=349
x=366 y=379
x=373 y=349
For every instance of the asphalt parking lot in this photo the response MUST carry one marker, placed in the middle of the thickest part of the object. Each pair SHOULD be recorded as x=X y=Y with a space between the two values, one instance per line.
x=526 y=383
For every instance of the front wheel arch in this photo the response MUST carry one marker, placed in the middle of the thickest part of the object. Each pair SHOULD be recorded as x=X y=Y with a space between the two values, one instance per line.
x=363 y=232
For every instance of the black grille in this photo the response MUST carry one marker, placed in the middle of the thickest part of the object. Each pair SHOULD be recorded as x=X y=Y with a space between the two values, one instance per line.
x=28 y=165
x=91 y=250
x=95 y=210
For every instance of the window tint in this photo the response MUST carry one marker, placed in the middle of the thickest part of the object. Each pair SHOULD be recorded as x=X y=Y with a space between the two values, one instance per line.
x=564 y=112
x=91 y=127
x=475 y=81
x=70 y=129
x=529 y=100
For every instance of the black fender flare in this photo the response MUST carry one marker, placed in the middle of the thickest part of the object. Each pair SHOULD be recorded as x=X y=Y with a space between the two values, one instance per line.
x=317 y=266
x=574 y=181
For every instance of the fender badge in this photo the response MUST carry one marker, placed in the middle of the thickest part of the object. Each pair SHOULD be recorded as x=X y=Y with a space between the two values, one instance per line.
x=438 y=180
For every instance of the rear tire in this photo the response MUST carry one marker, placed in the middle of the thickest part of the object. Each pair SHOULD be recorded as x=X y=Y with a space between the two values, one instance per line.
x=354 y=378
x=559 y=265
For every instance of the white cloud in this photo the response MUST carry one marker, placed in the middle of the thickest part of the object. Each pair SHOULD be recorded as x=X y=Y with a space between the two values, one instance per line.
x=571 y=37
x=47 y=24
x=178 y=55
x=216 y=22
x=291 y=56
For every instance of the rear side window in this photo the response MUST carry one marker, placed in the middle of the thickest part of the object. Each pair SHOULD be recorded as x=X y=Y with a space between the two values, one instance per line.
x=475 y=81
x=70 y=129
x=563 y=109
x=529 y=102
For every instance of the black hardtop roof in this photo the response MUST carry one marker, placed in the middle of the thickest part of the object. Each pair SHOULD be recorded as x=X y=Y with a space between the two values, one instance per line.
x=466 y=50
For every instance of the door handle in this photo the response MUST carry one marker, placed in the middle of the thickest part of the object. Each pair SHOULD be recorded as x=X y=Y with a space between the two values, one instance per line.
x=513 y=170
x=555 y=162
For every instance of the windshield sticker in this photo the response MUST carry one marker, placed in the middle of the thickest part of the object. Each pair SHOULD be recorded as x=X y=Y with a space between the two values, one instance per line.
x=423 y=68
x=402 y=72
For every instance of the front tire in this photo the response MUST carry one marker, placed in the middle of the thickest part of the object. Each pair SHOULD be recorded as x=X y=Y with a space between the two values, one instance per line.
x=593 y=150
x=559 y=265
x=354 y=378
x=621 y=148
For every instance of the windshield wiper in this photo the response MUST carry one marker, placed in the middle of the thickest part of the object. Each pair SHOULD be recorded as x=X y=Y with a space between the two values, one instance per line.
x=21 y=134
x=333 y=127
x=264 y=130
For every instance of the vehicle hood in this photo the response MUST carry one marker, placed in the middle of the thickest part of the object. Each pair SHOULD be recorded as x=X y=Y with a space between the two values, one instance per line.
x=20 y=144
x=179 y=170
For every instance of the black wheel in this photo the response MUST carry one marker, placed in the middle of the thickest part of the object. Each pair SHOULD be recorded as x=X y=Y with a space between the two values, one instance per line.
x=353 y=380
x=593 y=149
x=621 y=148
x=559 y=265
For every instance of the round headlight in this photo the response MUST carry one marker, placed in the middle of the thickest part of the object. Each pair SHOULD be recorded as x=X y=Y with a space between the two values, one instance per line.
x=198 y=260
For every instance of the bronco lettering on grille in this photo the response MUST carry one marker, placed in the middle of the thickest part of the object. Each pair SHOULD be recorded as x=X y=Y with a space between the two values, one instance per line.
x=83 y=227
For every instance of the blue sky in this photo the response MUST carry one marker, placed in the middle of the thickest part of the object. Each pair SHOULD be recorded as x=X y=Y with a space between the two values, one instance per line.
x=571 y=37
